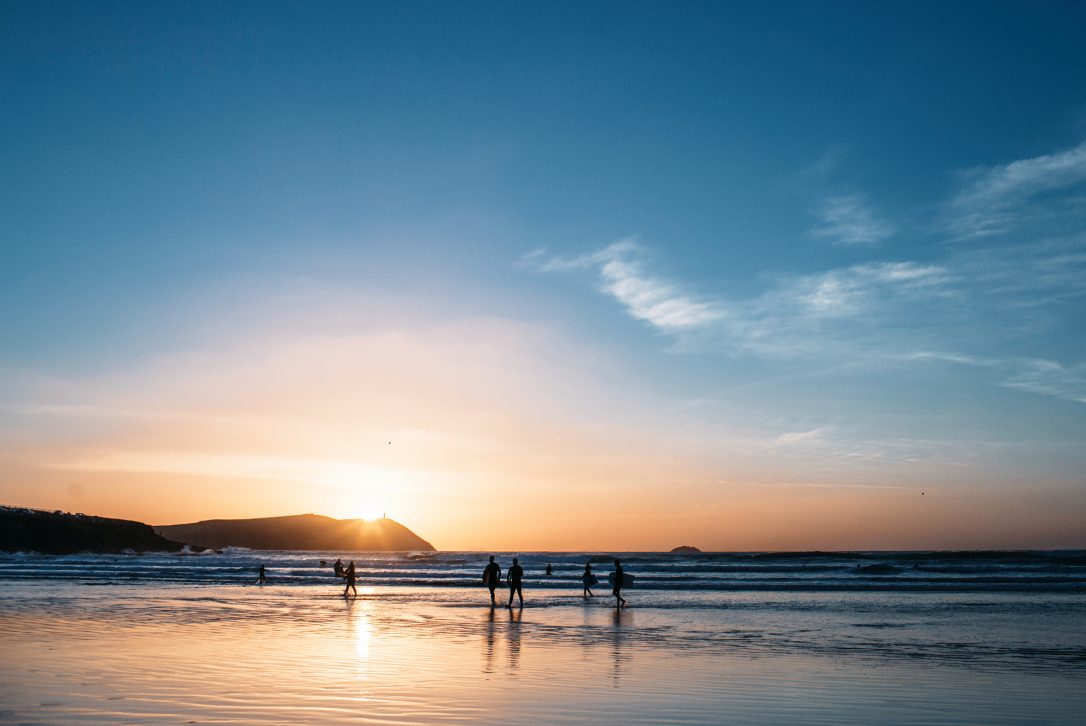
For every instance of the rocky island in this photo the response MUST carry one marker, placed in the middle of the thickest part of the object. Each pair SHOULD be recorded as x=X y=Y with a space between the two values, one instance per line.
x=688 y=549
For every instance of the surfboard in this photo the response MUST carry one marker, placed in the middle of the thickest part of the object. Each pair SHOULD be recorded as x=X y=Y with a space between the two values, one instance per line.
x=590 y=580
x=627 y=579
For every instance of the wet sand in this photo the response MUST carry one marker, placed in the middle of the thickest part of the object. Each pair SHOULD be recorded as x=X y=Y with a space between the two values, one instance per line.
x=243 y=654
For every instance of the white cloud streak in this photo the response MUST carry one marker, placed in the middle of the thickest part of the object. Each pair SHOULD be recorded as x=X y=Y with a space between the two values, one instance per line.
x=798 y=437
x=1032 y=375
x=1049 y=378
x=847 y=290
x=781 y=321
x=663 y=304
x=993 y=306
x=891 y=311
x=994 y=199
x=939 y=357
x=847 y=219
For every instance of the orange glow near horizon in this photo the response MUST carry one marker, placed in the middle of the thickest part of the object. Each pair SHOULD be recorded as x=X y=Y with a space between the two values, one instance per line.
x=484 y=434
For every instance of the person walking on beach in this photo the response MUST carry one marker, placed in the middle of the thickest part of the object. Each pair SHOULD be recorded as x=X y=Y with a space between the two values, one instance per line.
x=349 y=574
x=492 y=575
x=620 y=602
x=588 y=580
x=263 y=579
x=516 y=574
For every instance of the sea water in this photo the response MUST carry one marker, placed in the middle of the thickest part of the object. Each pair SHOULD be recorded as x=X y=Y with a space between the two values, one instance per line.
x=708 y=638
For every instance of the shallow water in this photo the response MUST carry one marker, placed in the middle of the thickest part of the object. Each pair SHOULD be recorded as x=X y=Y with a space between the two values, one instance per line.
x=1050 y=571
x=92 y=646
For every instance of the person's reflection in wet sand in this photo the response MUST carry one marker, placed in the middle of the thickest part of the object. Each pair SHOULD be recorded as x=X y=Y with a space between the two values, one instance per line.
x=488 y=651
x=618 y=655
x=589 y=635
x=514 y=639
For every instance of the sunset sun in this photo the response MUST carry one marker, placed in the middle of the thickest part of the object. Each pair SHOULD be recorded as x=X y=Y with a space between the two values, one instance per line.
x=369 y=511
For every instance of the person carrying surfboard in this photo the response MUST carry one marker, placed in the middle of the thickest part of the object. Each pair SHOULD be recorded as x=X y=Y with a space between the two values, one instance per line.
x=516 y=574
x=620 y=602
x=492 y=575
x=588 y=579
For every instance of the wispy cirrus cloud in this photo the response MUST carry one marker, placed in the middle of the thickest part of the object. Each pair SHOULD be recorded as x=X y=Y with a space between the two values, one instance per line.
x=994 y=199
x=849 y=219
x=939 y=357
x=891 y=311
x=844 y=314
x=849 y=290
x=1032 y=375
x=666 y=305
x=1028 y=274
x=796 y=315
x=998 y=305
x=1049 y=378
x=791 y=438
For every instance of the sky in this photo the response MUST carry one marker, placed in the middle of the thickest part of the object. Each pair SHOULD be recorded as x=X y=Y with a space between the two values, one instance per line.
x=607 y=276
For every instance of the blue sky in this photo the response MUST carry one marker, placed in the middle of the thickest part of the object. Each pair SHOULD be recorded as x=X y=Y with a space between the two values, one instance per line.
x=808 y=245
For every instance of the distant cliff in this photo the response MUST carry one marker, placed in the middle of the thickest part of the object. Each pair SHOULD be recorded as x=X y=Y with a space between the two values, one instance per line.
x=58 y=533
x=299 y=532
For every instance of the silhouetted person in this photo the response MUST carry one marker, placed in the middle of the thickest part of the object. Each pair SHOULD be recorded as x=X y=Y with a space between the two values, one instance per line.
x=550 y=570
x=587 y=579
x=620 y=602
x=338 y=567
x=263 y=579
x=516 y=574
x=492 y=575
x=349 y=574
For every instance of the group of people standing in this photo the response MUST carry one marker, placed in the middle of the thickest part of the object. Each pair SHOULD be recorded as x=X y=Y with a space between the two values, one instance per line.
x=492 y=576
x=348 y=574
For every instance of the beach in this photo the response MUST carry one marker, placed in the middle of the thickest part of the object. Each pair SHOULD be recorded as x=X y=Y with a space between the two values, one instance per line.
x=103 y=647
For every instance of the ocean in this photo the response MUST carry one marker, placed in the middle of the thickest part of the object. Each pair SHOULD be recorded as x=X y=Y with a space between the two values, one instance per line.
x=872 y=637
x=656 y=573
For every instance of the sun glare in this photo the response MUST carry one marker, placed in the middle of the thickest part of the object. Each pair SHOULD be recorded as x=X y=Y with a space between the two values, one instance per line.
x=369 y=512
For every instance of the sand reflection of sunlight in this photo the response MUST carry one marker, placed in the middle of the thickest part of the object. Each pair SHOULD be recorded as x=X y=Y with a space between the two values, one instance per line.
x=360 y=629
